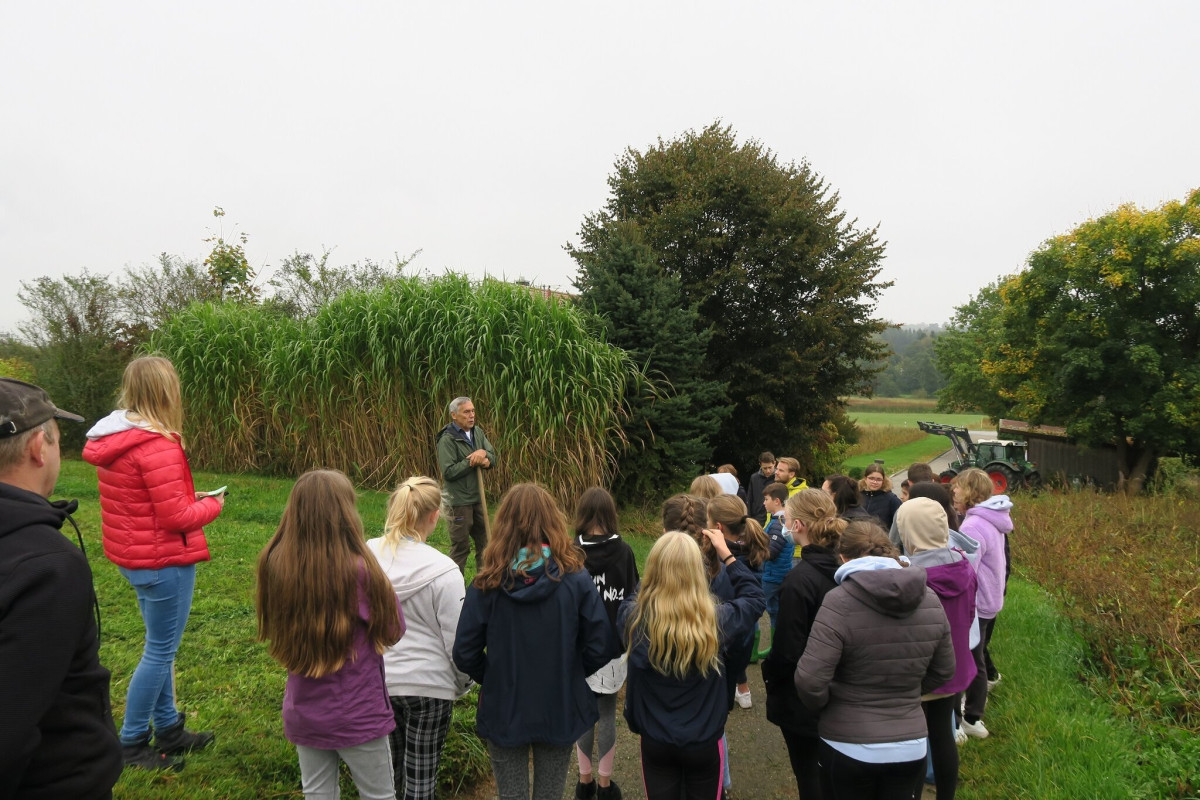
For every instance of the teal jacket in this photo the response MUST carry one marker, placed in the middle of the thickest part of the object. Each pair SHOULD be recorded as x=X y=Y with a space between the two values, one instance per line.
x=459 y=483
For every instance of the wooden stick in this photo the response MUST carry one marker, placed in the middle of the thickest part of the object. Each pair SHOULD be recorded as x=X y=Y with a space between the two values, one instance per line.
x=487 y=523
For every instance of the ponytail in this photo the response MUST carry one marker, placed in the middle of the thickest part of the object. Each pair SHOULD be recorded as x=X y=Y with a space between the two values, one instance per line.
x=730 y=511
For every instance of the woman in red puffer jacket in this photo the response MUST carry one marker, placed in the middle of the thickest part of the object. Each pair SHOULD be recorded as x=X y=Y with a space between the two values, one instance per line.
x=152 y=522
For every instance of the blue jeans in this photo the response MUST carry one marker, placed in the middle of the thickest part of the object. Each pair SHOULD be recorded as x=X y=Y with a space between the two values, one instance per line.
x=165 y=600
x=772 y=590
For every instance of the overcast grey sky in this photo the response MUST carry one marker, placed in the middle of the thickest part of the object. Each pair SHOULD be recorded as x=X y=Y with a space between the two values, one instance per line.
x=482 y=133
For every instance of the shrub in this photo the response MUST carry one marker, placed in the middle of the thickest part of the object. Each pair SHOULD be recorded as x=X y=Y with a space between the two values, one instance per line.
x=17 y=368
x=363 y=385
x=1125 y=569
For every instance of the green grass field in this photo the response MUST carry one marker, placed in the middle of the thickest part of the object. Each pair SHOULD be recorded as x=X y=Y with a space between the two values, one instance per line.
x=897 y=458
x=1051 y=737
x=910 y=418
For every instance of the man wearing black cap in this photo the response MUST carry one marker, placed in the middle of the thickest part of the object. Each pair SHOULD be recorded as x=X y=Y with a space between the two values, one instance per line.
x=57 y=737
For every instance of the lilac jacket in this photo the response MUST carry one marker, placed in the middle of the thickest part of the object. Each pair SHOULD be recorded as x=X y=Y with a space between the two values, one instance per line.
x=988 y=523
x=346 y=708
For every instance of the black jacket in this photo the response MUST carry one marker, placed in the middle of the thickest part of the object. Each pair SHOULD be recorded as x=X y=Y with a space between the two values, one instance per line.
x=57 y=737
x=799 y=600
x=754 y=496
x=613 y=567
x=881 y=505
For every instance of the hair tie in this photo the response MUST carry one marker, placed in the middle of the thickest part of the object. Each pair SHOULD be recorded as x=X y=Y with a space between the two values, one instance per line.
x=745 y=517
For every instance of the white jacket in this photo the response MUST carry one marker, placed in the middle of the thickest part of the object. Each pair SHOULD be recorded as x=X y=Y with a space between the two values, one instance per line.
x=431 y=591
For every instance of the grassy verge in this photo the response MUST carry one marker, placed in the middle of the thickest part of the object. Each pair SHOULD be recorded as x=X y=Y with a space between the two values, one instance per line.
x=1051 y=736
x=225 y=680
x=1126 y=571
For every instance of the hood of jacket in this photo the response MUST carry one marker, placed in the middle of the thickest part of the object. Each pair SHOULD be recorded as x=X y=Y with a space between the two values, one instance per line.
x=20 y=508
x=422 y=565
x=540 y=583
x=822 y=559
x=995 y=510
x=947 y=571
x=112 y=437
x=964 y=542
x=603 y=553
x=888 y=588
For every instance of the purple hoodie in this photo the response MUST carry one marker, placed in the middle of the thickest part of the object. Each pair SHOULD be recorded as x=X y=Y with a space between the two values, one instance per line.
x=953 y=581
x=988 y=523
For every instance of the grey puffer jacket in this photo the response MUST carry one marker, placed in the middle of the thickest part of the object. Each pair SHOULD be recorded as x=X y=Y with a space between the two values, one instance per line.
x=880 y=641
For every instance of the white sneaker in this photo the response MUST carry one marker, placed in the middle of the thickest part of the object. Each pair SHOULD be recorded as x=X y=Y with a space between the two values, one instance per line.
x=960 y=736
x=742 y=698
x=975 y=729
x=992 y=684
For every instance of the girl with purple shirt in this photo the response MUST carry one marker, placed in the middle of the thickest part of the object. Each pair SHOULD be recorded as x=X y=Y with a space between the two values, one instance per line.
x=329 y=613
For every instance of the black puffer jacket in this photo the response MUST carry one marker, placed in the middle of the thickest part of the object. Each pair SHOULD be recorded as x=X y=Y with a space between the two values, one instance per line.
x=799 y=599
x=57 y=737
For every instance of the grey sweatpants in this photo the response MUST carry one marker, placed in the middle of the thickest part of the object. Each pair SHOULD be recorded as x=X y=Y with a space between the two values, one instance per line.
x=510 y=765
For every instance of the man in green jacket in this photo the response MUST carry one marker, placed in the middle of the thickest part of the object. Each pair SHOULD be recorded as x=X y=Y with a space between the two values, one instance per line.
x=463 y=450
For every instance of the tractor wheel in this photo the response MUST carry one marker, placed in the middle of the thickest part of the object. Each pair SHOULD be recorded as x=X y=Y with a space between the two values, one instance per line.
x=1003 y=479
x=947 y=476
x=1033 y=480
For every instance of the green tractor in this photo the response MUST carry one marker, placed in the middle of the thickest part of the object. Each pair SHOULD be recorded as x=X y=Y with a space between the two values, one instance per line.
x=1003 y=460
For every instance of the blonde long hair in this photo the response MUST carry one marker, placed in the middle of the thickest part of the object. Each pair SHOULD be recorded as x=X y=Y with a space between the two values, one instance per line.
x=412 y=501
x=150 y=389
x=309 y=579
x=676 y=614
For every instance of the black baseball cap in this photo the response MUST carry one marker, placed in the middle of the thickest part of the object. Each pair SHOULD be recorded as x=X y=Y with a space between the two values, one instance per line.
x=24 y=406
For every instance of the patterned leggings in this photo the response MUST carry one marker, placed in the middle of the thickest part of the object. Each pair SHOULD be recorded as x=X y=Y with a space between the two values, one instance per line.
x=606 y=729
x=421 y=727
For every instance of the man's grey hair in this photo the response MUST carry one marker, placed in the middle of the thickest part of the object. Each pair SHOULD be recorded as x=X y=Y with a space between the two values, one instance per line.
x=457 y=403
x=12 y=448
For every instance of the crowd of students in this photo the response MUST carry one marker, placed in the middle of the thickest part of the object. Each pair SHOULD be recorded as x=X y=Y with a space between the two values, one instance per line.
x=872 y=652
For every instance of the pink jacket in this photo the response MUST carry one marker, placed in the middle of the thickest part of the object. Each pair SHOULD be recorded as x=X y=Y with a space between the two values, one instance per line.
x=149 y=513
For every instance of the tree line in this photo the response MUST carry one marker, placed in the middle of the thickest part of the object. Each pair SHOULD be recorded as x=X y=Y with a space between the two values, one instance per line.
x=735 y=284
x=1100 y=333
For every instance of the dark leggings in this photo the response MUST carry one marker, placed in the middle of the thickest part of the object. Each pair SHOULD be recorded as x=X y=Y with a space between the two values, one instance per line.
x=939 y=718
x=846 y=778
x=670 y=772
x=806 y=765
x=977 y=692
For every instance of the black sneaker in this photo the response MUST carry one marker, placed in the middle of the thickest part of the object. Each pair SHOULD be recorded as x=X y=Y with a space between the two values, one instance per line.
x=143 y=756
x=610 y=792
x=178 y=739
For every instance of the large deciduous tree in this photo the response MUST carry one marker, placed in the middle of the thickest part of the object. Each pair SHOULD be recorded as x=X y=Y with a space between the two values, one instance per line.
x=1102 y=333
x=670 y=421
x=784 y=281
